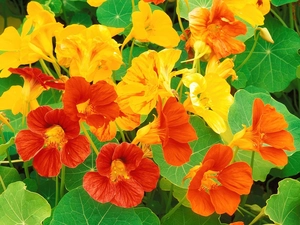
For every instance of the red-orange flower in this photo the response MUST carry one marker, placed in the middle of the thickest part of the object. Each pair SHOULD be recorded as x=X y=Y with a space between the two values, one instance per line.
x=217 y=28
x=51 y=140
x=217 y=185
x=156 y=2
x=93 y=103
x=266 y=135
x=172 y=129
x=122 y=176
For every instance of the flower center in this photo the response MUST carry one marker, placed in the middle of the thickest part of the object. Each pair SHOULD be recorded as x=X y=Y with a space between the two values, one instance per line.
x=209 y=180
x=118 y=170
x=55 y=136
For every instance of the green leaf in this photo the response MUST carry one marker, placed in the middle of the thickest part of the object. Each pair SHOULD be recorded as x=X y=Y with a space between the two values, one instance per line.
x=272 y=66
x=147 y=216
x=186 y=216
x=115 y=13
x=284 y=207
x=192 y=4
x=53 y=5
x=82 y=18
x=5 y=146
x=206 y=138
x=19 y=206
x=291 y=169
x=282 y=2
x=77 y=207
x=8 y=175
x=241 y=113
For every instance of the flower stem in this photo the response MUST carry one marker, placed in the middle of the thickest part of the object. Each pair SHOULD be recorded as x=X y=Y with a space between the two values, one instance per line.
x=2 y=183
x=45 y=68
x=252 y=160
x=56 y=190
x=250 y=53
x=170 y=213
x=121 y=132
x=25 y=165
x=11 y=161
x=89 y=138
x=62 y=180
x=278 y=17
x=291 y=17
x=170 y=197
x=179 y=19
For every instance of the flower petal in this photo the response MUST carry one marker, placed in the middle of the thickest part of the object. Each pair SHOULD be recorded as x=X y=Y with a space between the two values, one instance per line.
x=281 y=139
x=274 y=155
x=75 y=151
x=104 y=159
x=176 y=153
x=224 y=200
x=221 y=154
x=47 y=162
x=200 y=202
x=36 y=120
x=28 y=144
x=99 y=187
x=237 y=177
x=146 y=174
x=129 y=193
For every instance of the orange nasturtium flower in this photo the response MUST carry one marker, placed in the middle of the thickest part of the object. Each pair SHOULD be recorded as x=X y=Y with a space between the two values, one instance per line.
x=51 y=140
x=23 y=99
x=122 y=175
x=88 y=52
x=218 y=28
x=172 y=129
x=210 y=98
x=155 y=27
x=252 y=11
x=216 y=184
x=156 y=2
x=93 y=103
x=266 y=135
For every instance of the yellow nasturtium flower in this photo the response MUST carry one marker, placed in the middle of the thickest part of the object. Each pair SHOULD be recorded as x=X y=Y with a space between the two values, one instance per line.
x=95 y=3
x=88 y=52
x=252 y=11
x=155 y=27
x=210 y=98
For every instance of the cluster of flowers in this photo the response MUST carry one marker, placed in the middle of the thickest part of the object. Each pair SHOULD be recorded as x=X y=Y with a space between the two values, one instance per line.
x=91 y=98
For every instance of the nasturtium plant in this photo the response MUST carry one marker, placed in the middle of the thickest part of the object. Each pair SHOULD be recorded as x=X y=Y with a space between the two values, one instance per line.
x=149 y=112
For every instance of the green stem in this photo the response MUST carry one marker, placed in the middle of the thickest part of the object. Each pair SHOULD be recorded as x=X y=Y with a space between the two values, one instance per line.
x=89 y=138
x=45 y=68
x=250 y=53
x=7 y=152
x=2 y=183
x=130 y=53
x=252 y=160
x=121 y=132
x=179 y=20
x=12 y=161
x=170 y=197
x=25 y=165
x=291 y=16
x=62 y=180
x=170 y=213
x=56 y=190
x=278 y=17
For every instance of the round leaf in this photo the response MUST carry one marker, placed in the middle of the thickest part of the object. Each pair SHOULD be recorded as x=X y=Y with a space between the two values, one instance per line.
x=147 y=216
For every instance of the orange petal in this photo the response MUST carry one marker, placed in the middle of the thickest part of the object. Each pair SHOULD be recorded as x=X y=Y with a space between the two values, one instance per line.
x=36 y=119
x=274 y=155
x=282 y=139
x=200 y=202
x=257 y=111
x=47 y=162
x=176 y=153
x=221 y=154
x=237 y=177
x=224 y=200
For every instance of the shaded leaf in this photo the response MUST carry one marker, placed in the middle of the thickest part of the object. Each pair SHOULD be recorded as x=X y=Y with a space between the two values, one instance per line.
x=284 y=207
x=19 y=206
x=8 y=175
x=147 y=216
x=282 y=2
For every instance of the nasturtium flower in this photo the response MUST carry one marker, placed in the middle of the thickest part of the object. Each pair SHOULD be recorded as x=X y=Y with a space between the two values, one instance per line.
x=95 y=3
x=216 y=184
x=252 y=11
x=155 y=27
x=209 y=97
x=5 y=120
x=267 y=135
x=122 y=175
x=156 y=2
x=218 y=28
x=148 y=77
x=93 y=103
x=52 y=140
x=172 y=129
x=88 y=52
x=23 y=99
